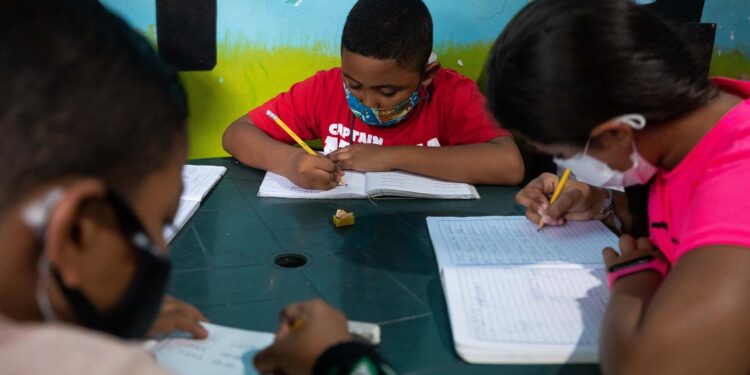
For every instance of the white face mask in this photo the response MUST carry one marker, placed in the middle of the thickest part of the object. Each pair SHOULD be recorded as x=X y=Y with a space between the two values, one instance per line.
x=597 y=173
x=36 y=216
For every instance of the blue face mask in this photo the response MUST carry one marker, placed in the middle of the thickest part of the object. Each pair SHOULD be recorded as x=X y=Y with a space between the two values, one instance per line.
x=381 y=117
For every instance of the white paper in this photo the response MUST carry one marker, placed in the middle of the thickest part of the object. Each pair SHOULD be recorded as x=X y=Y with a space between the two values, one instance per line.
x=407 y=184
x=516 y=295
x=532 y=305
x=514 y=240
x=361 y=185
x=198 y=180
x=226 y=351
x=184 y=212
x=278 y=186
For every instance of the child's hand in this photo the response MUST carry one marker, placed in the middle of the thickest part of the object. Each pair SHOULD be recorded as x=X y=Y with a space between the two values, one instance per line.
x=630 y=249
x=363 y=158
x=577 y=201
x=314 y=172
x=295 y=350
x=176 y=315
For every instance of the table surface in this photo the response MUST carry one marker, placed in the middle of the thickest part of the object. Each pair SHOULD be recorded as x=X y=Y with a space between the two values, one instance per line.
x=381 y=270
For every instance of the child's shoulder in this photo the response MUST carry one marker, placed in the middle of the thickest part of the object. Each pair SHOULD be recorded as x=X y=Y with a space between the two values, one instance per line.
x=448 y=82
x=448 y=75
x=328 y=75
x=323 y=81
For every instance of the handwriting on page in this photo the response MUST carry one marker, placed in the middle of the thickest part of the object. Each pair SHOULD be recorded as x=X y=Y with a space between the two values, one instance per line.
x=402 y=181
x=533 y=305
x=479 y=241
x=226 y=351
x=277 y=185
x=197 y=180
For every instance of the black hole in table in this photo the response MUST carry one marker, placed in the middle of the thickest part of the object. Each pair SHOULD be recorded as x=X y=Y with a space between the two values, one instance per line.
x=290 y=260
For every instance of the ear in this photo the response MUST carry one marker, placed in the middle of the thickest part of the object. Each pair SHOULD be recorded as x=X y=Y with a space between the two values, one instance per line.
x=430 y=72
x=612 y=133
x=70 y=231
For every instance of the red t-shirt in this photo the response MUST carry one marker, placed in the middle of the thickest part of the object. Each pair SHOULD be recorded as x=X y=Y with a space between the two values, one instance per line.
x=316 y=108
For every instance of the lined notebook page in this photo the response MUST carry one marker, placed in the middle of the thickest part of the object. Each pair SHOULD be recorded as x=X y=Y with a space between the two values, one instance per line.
x=514 y=240
x=184 y=212
x=197 y=180
x=528 y=305
x=278 y=186
x=394 y=182
x=227 y=351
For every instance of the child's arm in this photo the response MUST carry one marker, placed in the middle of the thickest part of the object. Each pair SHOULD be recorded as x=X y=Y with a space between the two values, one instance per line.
x=251 y=146
x=495 y=162
x=696 y=321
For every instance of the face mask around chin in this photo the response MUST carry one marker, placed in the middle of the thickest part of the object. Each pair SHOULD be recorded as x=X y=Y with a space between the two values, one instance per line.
x=138 y=306
x=597 y=173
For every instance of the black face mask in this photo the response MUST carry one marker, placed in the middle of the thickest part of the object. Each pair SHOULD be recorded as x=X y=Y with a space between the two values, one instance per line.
x=135 y=311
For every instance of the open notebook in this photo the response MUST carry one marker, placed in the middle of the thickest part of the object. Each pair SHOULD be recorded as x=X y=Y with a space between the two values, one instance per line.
x=516 y=295
x=371 y=185
x=197 y=181
x=226 y=351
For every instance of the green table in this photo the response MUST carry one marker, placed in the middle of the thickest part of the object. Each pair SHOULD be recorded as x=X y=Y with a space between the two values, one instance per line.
x=381 y=270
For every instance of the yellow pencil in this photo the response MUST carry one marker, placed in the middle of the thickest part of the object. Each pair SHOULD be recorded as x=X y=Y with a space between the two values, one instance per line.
x=556 y=194
x=297 y=324
x=294 y=136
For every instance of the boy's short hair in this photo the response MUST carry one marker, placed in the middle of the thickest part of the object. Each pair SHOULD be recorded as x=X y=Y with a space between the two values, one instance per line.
x=81 y=94
x=390 y=29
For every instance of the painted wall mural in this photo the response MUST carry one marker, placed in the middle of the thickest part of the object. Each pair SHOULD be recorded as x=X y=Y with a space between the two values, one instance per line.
x=264 y=46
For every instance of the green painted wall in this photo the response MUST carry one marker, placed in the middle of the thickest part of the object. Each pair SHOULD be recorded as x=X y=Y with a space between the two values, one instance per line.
x=246 y=75
x=265 y=46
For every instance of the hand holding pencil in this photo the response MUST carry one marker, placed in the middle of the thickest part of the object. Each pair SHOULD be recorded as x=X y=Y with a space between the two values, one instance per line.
x=556 y=194
x=307 y=329
x=575 y=201
x=309 y=170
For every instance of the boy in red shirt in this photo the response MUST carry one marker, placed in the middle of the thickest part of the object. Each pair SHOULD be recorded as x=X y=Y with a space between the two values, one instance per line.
x=388 y=92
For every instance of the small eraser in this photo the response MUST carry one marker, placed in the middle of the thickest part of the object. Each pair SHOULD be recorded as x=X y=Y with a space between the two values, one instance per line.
x=343 y=218
x=368 y=332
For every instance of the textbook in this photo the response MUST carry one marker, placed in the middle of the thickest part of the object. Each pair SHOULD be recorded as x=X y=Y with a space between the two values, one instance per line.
x=197 y=181
x=371 y=185
x=521 y=296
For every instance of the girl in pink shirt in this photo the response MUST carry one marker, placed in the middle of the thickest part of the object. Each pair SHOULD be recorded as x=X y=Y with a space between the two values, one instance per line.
x=617 y=96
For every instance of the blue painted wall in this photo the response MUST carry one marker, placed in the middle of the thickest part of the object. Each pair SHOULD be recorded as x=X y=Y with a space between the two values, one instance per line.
x=264 y=46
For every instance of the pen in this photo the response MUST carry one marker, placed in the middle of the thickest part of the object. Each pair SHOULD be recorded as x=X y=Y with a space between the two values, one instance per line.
x=555 y=195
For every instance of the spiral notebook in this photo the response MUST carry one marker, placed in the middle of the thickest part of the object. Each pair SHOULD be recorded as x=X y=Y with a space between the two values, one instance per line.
x=516 y=295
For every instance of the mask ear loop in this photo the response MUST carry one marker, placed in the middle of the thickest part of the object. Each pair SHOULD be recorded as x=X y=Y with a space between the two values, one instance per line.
x=634 y=120
x=586 y=148
x=36 y=216
x=637 y=122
